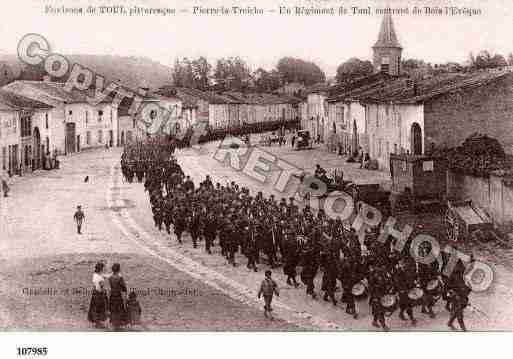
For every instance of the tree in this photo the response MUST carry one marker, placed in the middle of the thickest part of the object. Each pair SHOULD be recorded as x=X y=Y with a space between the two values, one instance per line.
x=471 y=60
x=510 y=59
x=201 y=71
x=498 y=61
x=485 y=60
x=266 y=81
x=233 y=72
x=352 y=69
x=297 y=70
x=412 y=64
x=193 y=74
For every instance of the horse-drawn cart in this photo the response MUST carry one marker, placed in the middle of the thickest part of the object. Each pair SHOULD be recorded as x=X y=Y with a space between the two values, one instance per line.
x=369 y=193
x=464 y=219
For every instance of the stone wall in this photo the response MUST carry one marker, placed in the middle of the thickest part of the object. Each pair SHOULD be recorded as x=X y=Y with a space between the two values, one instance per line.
x=491 y=194
x=486 y=109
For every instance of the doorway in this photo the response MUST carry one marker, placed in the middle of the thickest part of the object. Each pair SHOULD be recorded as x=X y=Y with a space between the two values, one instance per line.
x=416 y=139
x=70 y=137
x=37 y=149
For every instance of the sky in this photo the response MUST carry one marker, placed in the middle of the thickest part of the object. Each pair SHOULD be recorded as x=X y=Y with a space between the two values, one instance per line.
x=262 y=39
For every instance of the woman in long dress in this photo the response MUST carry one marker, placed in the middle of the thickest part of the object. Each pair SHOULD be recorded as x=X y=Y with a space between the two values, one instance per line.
x=98 y=308
x=118 y=316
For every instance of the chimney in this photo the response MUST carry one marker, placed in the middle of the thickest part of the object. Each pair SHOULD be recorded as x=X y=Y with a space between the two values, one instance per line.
x=413 y=86
x=415 y=89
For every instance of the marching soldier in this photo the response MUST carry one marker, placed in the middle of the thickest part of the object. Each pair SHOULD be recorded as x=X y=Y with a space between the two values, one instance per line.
x=251 y=247
x=310 y=267
x=377 y=289
x=291 y=258
x=405 y=281
x=458 y=301
x=329 y=278
x=348 y=278
x=195 y=227
x=179 y=223
x=210 y=228
x=232 y=242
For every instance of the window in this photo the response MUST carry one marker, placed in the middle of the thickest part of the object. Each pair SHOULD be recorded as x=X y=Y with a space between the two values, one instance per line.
x=87 y=116
x=100 y=136
x=385 y=64
x=133 y=122
x=70 y=112
x=26 y=126
x=88 y=137
x=428 y=166
x=339 y=115
x=46 y=121
x=100 y=114
x=4 y=158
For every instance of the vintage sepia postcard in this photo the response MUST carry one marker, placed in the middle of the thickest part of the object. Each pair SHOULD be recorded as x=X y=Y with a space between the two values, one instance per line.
x=254 y=166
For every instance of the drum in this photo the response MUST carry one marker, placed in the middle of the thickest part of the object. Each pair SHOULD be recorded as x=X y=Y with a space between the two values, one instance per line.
x=359 y=290
x=389 y=303
x=434 y=288
x=415 y=295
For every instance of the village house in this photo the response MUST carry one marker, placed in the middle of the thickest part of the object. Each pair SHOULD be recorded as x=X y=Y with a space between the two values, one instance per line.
x=419 y=116
x=314 y=112
x=75 y=124
x=388 y=113
x=234 y=109
x=346 y=114
x=131 y=127
x=24 y=133
x=195 y=102
x=223 y=112
x=292 y=88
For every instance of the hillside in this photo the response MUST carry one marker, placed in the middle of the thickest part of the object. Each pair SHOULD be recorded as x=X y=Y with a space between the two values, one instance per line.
x=130 y=71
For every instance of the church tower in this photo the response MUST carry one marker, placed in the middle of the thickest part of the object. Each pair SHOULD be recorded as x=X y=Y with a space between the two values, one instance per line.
x=387 y=50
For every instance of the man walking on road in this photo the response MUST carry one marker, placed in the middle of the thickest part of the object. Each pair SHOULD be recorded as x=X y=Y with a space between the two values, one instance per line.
x=5 y=187
x=79 y=218
x=268 y=288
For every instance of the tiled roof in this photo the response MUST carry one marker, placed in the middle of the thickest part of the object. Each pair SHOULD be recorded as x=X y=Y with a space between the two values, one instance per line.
x=12 y=101
x=409 y=91
x=54 y=93
x=358 y=83
x=400 y=92
x=259 y=98
x=229 y=97
x=190 y=97
x=316 y=88
x=45 y=92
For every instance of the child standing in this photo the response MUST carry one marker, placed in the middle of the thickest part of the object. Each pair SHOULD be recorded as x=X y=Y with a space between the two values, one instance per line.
x=133 y=309
x=79 y=219
x=268 y=288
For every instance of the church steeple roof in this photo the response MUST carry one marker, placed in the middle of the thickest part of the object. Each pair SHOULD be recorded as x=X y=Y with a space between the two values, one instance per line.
x=387 y=36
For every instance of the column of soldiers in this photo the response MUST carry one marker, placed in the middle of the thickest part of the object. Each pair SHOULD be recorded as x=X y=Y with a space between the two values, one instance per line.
x=278 y=233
